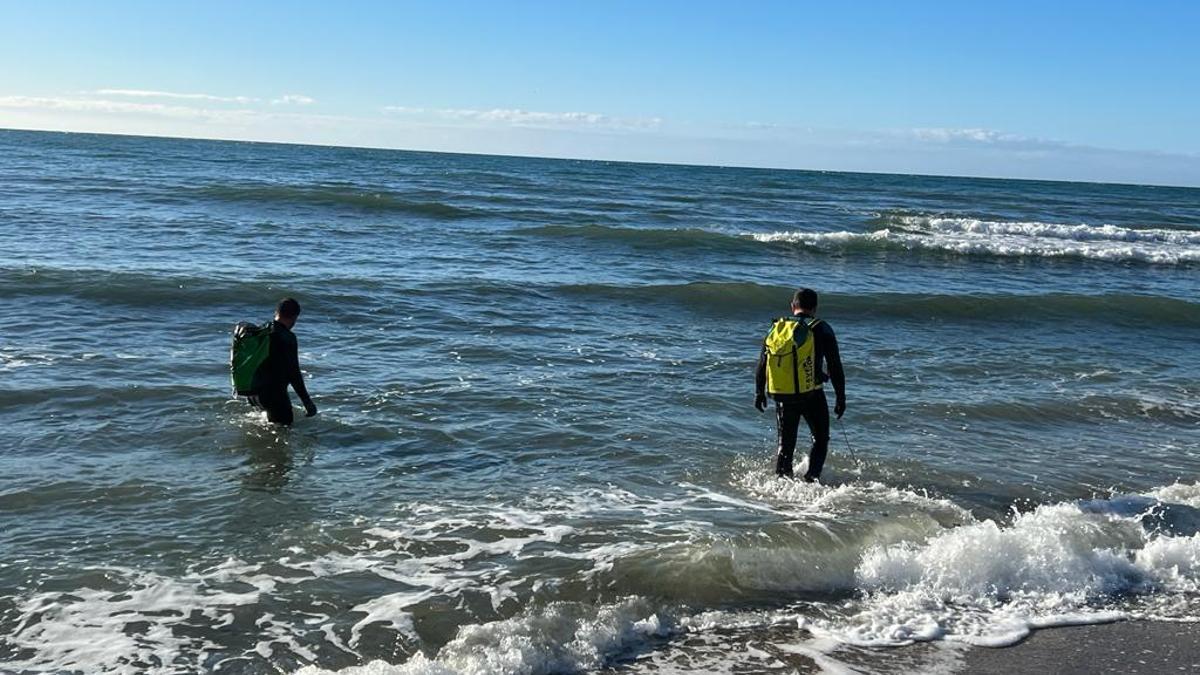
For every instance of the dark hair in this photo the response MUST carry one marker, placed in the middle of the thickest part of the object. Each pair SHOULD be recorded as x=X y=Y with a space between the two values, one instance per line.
x=805 y=298
x=288 y=308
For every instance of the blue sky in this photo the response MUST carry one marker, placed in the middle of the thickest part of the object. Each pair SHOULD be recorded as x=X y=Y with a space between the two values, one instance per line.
x=1062 y=90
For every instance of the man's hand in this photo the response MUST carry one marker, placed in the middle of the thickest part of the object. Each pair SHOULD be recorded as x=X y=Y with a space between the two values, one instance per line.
x=839 y=408
x=310 y=408
x=760 y=402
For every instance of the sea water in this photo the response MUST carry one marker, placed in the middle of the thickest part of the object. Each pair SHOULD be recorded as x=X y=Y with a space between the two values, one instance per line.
x=537 y=450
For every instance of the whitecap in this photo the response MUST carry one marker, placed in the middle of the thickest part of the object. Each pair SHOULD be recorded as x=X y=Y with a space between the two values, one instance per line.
x=969 y=236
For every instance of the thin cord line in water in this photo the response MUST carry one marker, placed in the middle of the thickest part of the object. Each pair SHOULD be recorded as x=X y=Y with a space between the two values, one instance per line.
x=846 y=438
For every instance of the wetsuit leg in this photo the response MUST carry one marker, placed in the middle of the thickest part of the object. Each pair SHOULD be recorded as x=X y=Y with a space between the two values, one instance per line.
x=278 y=405
x=787 y=423
x=815 y=409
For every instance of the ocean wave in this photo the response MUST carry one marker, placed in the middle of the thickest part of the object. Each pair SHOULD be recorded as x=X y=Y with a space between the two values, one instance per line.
x=164 y=289
x=327 y=196
x=707 y=296
x=988 y=582
x=991 y=584
x=908 y=233
x=1079 y=232
x=434 y=553
x=640 y=236
x=350 y=296
x=545 y=586
x=1079 y=408
x=970 y=236
x=749 y=298
x=559 y=638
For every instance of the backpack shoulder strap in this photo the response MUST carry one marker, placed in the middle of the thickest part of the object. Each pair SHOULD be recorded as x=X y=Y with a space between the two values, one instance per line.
x=774 y=323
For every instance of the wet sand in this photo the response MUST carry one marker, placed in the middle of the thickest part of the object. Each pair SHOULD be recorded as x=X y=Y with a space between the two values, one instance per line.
x=1126 y=647
x=1123 y=647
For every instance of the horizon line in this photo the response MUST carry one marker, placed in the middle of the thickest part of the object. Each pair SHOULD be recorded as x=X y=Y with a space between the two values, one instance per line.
x=211 y=139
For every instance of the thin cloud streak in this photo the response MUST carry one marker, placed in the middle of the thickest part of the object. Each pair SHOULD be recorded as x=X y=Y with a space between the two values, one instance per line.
x=949 y=135
x=529 y=118
x=294 y=99
x=197 y=114
x=145 y=93
x=98 y=105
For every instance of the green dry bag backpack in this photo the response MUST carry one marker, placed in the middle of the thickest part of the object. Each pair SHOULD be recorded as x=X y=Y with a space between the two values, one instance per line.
x=251 y=345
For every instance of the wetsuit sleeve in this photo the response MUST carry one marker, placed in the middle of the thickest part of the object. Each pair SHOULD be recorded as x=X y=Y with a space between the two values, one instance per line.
x=833 y=360
x=760 y=373
x=294 y=376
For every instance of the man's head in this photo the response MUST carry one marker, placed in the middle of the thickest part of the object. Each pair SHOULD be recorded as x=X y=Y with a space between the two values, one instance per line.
x=804 y=300
x=287 y=311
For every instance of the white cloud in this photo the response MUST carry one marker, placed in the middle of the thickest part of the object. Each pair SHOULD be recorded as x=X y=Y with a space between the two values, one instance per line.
x=135 y=109
x=286 y=99
x=294 y=99
x=529 y=118
x=144 y=93
x=950 y=135
x=97 y=105
x=182 y=111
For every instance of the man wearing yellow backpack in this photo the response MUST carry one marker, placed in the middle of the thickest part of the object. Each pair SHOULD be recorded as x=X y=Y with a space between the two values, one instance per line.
x=790 y=370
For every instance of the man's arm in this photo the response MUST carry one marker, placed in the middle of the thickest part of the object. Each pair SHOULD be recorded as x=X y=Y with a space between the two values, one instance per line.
x=296 y=378
x=760 y=382
x=833 y=361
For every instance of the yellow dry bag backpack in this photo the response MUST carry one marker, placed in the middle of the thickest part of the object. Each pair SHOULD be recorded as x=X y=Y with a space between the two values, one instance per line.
x=791 y=357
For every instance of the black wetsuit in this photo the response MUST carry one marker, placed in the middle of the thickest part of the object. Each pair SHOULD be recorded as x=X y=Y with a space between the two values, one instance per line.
x=812 y=406
x=281 y=368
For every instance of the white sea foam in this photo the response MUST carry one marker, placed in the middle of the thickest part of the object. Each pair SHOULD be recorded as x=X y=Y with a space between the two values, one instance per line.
x=969 y=236
x=131 y=630
x=14 y=358
x=562 y=637
x=436 y=552
x=1179 y=493
x=910 y=567
x=790 y=497
x=1059 y=564
x=1080 y=232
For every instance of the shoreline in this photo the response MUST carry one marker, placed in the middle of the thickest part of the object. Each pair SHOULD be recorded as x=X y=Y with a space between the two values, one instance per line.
x=1114 y=648
x=1133 y=646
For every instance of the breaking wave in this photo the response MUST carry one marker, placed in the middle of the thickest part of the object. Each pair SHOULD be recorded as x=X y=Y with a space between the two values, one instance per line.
x=970 y=236
x=991 y=584
x=913 y=233
x=594 y=578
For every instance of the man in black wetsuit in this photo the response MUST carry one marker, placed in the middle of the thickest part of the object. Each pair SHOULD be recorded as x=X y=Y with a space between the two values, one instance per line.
x=799 y=393
x=281 y=368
